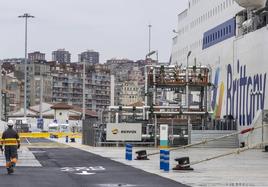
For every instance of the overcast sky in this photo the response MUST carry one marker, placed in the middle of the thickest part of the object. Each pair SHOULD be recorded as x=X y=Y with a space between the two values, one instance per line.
x=115 y=28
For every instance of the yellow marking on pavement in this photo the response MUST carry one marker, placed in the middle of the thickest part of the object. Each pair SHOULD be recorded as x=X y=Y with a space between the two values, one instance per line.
x=34 y=135
x=48 y=134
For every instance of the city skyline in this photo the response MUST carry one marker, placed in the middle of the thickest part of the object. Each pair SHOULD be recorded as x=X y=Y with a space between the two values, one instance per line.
x=117 y=29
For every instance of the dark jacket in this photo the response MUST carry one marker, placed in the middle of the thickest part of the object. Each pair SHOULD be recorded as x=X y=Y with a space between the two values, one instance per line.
x=10 y=133
x=10 y=137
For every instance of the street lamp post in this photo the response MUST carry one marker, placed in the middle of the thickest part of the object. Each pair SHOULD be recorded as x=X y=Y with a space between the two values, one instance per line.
x=41 y=95
x=154 y=93
x=25 y=16
x=187 y=80
x=84 y=91
x=187 y=97
x=1 y=91
x=150 y=27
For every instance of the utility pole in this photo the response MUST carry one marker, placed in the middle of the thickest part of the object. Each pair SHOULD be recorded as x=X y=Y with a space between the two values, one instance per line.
x=26 y=16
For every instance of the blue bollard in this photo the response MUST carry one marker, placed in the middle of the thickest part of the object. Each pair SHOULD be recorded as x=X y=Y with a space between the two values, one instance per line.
x=162 y=159
x=129 y=152
x=166 y=160
x=126 y=152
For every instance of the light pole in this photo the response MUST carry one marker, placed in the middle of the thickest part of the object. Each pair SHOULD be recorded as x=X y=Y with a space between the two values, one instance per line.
x=146 y=78
x=154 y=93
x=41 y=95
x=41 y=120
x=84 y=90
x=25 y=16
x=187 y=97
x=187 y=80
x=1 y=91
x=150 y=27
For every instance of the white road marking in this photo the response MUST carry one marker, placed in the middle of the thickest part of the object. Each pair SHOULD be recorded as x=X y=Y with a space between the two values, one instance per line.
x=85 y=173
x=28 y=141
x=83 y=170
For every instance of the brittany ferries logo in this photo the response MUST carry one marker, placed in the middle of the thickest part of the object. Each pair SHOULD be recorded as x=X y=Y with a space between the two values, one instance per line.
x=245 y=94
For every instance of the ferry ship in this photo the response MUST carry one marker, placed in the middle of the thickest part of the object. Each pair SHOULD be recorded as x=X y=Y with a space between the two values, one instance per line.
x=231 y=37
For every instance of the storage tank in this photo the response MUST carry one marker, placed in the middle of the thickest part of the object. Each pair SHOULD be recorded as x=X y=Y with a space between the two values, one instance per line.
x=252 y=4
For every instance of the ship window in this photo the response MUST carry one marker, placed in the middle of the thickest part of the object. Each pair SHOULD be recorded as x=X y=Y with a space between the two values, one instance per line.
x=230 y=28
x=219 y=34
x=227 y=32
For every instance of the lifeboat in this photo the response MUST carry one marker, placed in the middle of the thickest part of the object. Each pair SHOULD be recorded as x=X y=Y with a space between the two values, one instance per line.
x=252 y=4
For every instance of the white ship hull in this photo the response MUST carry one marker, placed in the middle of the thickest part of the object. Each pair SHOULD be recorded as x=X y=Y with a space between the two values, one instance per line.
x=242 y=67
x=239 y=63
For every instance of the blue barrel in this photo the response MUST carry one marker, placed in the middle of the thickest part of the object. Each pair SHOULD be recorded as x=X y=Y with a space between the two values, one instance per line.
x=166 y=160
x=129 y=152
x=162 y=159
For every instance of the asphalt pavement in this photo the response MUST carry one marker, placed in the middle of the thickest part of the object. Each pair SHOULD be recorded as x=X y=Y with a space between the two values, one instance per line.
x=71 y=167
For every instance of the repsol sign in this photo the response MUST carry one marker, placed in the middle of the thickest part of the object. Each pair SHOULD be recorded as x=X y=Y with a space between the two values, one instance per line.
x=123 y=131
x=245 y=93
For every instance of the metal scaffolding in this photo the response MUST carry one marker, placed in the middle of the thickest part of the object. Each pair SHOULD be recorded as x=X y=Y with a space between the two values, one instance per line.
x=189 y=86
x=191 y=83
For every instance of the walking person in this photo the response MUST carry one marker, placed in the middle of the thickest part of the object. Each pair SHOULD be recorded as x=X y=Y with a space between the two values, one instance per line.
x=11 y=142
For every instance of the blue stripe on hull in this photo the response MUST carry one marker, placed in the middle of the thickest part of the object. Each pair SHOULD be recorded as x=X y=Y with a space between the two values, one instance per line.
x=220 y=33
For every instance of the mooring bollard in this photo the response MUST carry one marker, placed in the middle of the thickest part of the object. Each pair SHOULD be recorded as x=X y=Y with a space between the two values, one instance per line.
x=142 y=155
x=166 y=160
x=129 y=152
x=183 y=164
x=162 y=159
